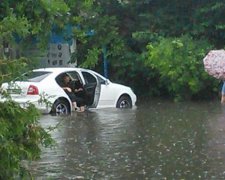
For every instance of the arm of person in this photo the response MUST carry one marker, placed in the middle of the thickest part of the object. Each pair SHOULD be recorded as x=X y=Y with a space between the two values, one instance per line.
x=79 y=89
x=78 y=86
x=67 y=89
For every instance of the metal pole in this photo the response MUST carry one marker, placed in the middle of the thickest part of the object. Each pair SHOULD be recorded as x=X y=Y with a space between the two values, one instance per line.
x=105 y=63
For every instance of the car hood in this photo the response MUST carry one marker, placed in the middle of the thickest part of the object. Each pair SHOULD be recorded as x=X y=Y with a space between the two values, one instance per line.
x=120 y=86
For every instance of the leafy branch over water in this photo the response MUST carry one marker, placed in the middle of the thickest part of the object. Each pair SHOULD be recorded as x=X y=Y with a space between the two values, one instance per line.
x=20 y=132
x=20 y=138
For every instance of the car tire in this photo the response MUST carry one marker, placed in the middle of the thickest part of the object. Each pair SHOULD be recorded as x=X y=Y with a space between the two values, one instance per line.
x=124 y=102
x=60 y=107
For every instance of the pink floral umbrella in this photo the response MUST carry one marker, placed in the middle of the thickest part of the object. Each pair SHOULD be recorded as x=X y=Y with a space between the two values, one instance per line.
x=214 y=63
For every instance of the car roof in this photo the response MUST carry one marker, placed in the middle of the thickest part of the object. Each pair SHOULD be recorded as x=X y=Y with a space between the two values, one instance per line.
x=58 y=70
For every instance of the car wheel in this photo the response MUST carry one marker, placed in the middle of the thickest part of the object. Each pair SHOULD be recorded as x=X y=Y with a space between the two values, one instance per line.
x=124 y=102
x=60 y=107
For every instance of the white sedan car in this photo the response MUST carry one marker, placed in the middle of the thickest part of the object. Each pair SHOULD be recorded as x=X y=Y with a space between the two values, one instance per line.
x=41 y=87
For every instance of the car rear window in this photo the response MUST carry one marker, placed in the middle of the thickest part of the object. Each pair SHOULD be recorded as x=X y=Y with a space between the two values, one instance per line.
x=33 y=76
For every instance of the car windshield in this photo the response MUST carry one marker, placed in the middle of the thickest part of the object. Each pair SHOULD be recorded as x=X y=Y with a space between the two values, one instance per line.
x=33 y=76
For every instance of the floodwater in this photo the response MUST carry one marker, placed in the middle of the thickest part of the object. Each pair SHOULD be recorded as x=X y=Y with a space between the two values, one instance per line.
x=156 y=140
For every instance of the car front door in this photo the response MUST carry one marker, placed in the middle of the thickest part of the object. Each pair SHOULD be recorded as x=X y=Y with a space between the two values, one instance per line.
x=92 y=88
x=108 y=93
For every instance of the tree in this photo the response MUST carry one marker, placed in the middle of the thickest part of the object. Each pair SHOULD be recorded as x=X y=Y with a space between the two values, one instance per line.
x=209 y=22
x=97 y=30
x=22 y=20
x=20 y=133
x=178 y=61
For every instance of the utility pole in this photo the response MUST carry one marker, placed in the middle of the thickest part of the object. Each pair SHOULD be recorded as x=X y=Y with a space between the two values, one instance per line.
x=105 y=62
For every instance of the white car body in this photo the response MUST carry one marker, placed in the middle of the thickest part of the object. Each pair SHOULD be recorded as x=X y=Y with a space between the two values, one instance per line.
x=102 y=92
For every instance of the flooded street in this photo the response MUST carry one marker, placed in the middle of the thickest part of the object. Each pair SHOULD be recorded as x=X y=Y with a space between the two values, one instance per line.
x=157 y=140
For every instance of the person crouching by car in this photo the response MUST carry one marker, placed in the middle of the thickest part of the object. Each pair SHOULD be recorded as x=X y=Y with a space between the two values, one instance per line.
x=68 y=87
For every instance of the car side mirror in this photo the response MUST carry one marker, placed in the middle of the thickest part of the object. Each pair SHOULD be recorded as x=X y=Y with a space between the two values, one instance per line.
x=106 y=82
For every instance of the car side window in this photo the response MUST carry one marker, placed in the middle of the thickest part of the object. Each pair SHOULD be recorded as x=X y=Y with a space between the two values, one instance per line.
x=89 y=78
x=72 y=74
x=102 y=81
x=33 y=76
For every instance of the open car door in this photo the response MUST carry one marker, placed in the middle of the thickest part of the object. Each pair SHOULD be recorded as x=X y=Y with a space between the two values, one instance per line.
x=92 y=87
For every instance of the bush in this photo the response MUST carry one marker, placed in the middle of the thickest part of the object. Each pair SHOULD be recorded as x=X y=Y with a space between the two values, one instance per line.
x=20 y=138
x=179 y=63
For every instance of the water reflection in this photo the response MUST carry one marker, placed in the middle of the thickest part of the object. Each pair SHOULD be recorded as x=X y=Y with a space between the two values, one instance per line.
x=158 y=140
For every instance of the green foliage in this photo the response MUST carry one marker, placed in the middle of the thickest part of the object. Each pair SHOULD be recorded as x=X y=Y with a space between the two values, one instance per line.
x=10 y=69
x=209 y=22
x=20 y=133
x=20 y=138
x=27 y=19
x=11 y=23
x=91 y=58
x=124 y=27
x=94 y=30
x=179 y=63
x=22 y=22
